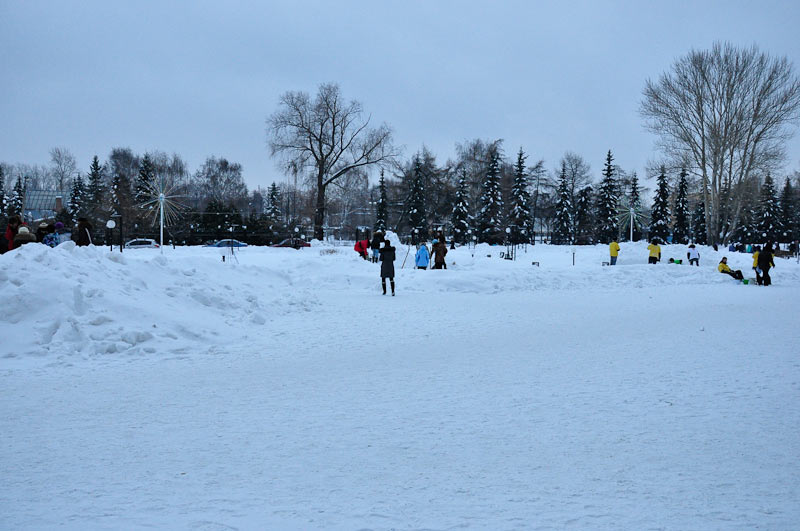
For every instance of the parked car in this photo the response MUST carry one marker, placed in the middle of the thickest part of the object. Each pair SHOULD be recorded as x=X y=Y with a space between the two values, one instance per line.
x=141 y=243
x=227 y=243
x=295 y=243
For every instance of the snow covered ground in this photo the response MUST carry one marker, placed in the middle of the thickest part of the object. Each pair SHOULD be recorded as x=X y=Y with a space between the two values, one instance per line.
x=285 y=392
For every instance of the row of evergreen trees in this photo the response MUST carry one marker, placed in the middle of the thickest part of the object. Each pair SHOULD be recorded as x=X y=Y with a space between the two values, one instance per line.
x=614 y=210
x=617 y=211
x=479 y=197
x=99 y=198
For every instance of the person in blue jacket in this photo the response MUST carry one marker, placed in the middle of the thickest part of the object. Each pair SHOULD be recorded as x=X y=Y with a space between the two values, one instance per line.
x=423 y=257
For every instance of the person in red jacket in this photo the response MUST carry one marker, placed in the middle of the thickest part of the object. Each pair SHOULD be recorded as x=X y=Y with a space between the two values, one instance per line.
x=362 y=248
x=11 y=231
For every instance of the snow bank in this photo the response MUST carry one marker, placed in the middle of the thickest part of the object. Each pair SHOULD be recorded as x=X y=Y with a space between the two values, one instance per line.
x=90 y=301
x=86 y=300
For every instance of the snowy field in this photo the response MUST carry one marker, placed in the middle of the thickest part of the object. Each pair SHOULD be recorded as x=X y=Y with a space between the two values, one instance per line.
x=176 y=391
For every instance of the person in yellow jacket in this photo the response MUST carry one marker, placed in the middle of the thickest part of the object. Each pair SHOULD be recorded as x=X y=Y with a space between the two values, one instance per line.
x=723 y=267
x=756 y=251
x=613 y=248
x=655 y=252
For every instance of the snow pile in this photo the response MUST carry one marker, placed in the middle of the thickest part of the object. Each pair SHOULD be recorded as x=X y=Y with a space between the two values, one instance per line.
x=86 y=300
x=92 y=301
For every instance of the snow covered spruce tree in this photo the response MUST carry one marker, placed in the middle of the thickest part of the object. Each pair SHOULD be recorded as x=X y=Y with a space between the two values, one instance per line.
x=680 y=232
x=660 y=214
x=635 y=204
x=382 y=210
x=95 y=190
x=462 y=221
x=746 y=231
x=120 y=195
x=699 y=235
x=416 y=203
x=584 y=220
x=144 y=180
x=77 y=199
x=562 y=223
x=769 y=212
x=520 y=215
x=273 y=213
x=607 y=204
x=16 y=203
x=491 y=212
x=3 y=204
x=789 y=213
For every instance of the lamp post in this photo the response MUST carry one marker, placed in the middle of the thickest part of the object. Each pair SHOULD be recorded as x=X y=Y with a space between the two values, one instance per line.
x=116 y=215
x=631 y=214
x=110 y=224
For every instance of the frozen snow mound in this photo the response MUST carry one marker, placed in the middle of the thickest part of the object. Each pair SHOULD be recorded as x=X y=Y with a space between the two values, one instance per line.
x=84 y=301
x=89 y=301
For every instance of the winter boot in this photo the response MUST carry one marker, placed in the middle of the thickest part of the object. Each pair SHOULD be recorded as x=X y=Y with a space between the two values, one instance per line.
x=383 y=281
x=392 y=282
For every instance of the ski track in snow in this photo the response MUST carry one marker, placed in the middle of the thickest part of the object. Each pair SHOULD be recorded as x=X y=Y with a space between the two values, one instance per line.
x=286 y=393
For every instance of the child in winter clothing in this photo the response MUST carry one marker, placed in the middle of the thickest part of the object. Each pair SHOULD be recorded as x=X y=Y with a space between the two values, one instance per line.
x=655 y=252
x=423 y=257
x=693 y=256
x=50 y=239
x=375 y=245
x=756 y=252
x=613 y=249
x=63 y=234
x=724 y=268
x=387 y=265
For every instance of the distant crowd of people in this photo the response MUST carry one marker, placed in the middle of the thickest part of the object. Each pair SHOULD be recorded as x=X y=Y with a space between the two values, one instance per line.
x=763 y=259
x=380 y=249
x=51 y=234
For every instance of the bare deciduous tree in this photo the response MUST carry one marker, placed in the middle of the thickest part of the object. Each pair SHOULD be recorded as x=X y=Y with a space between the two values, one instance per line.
x=222 y=181
x=327 y=135
x=578 y=173
x=726 y=112
x=64 y=167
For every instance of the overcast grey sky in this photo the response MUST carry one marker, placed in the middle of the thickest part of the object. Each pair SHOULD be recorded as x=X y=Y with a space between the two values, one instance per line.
x=200 y=78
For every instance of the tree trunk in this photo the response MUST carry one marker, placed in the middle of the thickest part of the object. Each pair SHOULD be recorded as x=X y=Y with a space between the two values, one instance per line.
x=319 y=211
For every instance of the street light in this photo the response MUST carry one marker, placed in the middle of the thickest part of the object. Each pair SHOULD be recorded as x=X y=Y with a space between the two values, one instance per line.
x=116 y=215
x=110 y=224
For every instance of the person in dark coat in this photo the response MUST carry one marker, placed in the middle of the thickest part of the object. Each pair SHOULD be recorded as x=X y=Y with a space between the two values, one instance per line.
x=439 y=251
x=23 y=237
x=387 y=265
x=41 y=231
x=375 y=245
x=765 y=261
x=11 y=232
x=84 y=233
